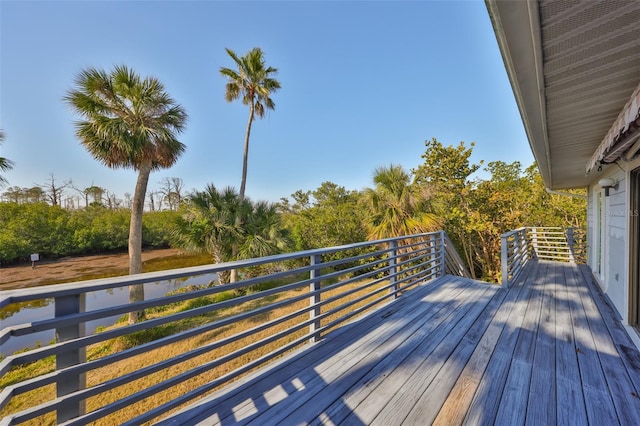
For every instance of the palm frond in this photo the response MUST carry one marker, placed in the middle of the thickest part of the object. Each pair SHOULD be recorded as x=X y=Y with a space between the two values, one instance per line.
x=126 y=121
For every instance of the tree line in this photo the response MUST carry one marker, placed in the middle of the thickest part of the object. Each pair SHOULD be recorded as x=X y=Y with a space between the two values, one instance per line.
x=167 y=196
x=444 y=192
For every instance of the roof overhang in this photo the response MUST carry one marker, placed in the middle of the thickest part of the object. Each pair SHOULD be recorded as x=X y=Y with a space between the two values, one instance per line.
x=623 y=139
x=574 y=67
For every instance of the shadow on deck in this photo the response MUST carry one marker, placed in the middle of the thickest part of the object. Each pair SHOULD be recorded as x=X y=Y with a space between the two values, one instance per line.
x=549 y=350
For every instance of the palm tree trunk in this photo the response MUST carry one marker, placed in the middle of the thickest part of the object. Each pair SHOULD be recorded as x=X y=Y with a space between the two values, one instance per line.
x=245 y=160
x=136 y=292
x=233 y=276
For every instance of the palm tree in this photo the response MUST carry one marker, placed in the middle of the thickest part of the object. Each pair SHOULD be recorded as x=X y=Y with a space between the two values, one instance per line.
x=254 y=84
x=128 y=122
x=263 y=234
x=218 y=222
x=396 y=206
x=5 y=164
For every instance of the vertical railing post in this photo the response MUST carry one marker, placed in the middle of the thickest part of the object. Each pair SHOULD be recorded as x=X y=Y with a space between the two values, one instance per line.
x=433 y=254
x=70 y=382
x=534 y=242
x=504 y=259
x=443 y=254
x=314 y=299
x=524 y=246
x=393 y=268
x=571 y=244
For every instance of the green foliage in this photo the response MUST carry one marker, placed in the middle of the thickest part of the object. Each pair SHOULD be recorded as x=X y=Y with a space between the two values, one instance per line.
x=32 y=228
x=5 y=164
x=328 y=216
x=142 y=132
x=448 y=169
x=476 y=212
x=228 y=227
x=157 y=228
x=54 y=232
x=473 y=211
x=396 y=206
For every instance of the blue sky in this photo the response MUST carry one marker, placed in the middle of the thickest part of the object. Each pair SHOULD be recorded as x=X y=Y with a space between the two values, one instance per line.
x=364 y=84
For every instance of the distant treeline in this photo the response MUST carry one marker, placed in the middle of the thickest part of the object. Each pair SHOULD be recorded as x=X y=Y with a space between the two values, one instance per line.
x=52 y=231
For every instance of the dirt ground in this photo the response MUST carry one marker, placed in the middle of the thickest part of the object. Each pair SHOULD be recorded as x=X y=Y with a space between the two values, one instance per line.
x=23 y=276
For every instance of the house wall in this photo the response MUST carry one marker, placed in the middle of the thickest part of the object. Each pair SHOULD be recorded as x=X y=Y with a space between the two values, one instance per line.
x=614 y=271
x=591 y=230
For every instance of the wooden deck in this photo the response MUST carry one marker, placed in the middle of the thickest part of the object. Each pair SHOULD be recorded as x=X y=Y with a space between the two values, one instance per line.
x=547 y=351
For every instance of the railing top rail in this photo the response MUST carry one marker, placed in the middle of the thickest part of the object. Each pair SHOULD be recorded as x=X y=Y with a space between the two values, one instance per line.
x=512 y=232
x=303 y=311
x=59 y=290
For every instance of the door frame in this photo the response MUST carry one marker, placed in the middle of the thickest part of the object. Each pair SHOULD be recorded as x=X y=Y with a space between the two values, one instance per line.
x=634 y=248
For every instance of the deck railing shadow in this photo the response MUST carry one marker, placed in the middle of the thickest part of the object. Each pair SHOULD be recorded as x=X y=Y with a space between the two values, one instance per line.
x=559 y=356
x=323 y=289
x=322 y=383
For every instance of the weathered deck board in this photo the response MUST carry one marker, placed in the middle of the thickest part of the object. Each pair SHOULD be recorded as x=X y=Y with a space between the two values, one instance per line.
x=568 y=386
x=359 y=391
x=428 y=361
x=457 y=404
x=623 y=392
x=594 y=384
x=486 y=401
x=442 y=295
x=549 y=350
x=515 y=395
x=541 y=408
x=435 y=395
x=340 y=377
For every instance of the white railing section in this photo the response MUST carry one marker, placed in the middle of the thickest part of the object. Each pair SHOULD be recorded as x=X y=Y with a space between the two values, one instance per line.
x=296 y=298
x=540 y=243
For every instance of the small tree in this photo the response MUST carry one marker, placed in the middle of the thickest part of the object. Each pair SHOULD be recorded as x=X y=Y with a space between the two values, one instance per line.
x=221 y=224
x=54 y=190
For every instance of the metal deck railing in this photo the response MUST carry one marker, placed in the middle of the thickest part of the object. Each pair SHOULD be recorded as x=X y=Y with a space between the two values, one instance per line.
x=193 y=342
x=542 y=243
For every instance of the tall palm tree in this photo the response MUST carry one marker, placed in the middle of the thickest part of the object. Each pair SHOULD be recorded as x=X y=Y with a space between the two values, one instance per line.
x=254 y=84
x=5 y=164
x=218 y=222
x=396 y=206
x=128 y=122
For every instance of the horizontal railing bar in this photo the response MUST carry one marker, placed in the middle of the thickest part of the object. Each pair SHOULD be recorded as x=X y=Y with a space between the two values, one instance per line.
x=75 y=318
x=71 y=344
x=212 y=385
x=58 y=290
x=151 y=303
x=419 y=259
x=128 y=353
x=184 y=376
x=518 y=257
x=48 y=324
x=210 y=327
x=513 y=232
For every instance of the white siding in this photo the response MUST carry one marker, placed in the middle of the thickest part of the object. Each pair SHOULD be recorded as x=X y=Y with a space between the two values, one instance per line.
x=617 y=224
x=615 y=247
x=591 y=236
